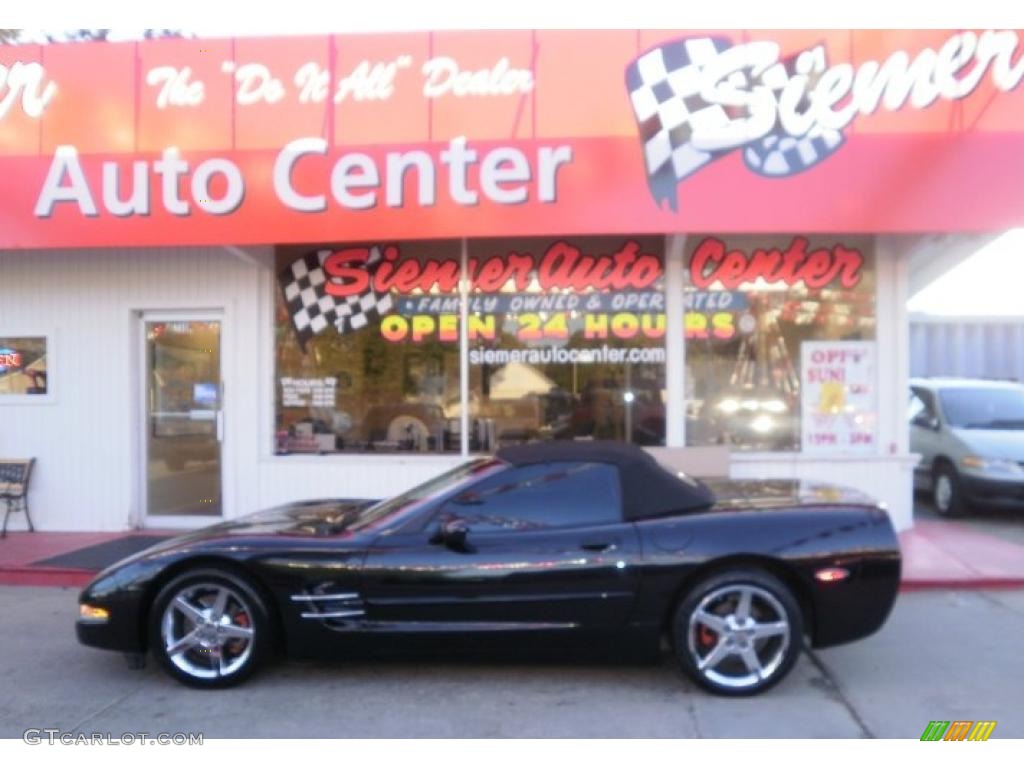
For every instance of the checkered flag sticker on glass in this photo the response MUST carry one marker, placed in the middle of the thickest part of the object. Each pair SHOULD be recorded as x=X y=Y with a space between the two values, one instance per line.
x=312 y=309
x=665 y=89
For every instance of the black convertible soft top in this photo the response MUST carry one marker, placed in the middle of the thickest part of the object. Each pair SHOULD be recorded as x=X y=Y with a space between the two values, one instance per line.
x=648 y=489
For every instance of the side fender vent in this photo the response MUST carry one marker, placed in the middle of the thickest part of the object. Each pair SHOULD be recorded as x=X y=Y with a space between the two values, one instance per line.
x=336 y=609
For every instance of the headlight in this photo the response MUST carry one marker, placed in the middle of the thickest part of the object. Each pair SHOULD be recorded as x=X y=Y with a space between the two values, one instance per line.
x=92 y=614
x=999 y=466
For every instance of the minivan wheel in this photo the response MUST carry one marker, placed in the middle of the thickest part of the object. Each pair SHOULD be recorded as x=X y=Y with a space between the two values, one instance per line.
x=209 y=628
x=946 y=493
x=738 y=633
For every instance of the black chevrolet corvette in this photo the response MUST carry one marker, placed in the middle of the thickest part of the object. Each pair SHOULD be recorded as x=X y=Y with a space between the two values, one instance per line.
x=557 y=541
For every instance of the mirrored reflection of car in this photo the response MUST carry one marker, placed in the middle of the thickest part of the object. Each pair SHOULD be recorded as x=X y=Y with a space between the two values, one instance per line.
x=550 y=543
x=970 y=436
x=759 y=418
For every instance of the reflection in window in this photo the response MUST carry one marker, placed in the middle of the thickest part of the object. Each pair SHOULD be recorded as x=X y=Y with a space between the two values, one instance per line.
x=548 y=495
x=566 y=340
x=751 y=301
x=574 y=349
x=360 y=366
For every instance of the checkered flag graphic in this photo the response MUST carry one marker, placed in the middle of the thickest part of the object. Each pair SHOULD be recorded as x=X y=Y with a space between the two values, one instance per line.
x=312 y=309
x=664 y=87
x=778 y=153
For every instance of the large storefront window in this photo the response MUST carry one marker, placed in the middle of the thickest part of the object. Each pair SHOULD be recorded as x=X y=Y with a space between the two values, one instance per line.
x=566 y=340
x=362 y=365
x=779 y=352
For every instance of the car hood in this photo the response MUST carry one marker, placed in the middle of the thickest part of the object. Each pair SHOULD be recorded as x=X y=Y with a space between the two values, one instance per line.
x=993 y=443
x=773 y=494
x=303 y=520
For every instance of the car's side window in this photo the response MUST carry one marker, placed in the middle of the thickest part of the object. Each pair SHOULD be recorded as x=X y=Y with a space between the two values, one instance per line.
x=916 y=408
x=536 y=496
x=921 y=405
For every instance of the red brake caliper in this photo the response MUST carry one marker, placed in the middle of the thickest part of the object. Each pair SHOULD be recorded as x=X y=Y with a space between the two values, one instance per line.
x=706 y=636
x=242 y=620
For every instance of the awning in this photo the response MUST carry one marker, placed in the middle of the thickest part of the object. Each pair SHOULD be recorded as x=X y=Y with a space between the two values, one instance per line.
x=454 y=134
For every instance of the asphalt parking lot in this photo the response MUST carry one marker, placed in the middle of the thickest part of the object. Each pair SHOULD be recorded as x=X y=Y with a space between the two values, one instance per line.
x=943 y=655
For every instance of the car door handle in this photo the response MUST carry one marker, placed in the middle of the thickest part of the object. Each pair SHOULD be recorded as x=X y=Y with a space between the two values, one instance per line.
x=602 y=546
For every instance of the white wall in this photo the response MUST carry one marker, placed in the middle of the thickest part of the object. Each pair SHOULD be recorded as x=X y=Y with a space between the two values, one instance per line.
x=86 y=441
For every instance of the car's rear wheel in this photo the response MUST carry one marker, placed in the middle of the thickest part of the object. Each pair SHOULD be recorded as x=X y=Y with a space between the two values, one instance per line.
x=209 y=628
x=738 y=633
x=947 y=495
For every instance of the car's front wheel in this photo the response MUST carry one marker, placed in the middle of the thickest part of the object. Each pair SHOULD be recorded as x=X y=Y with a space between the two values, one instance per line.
x=209 y=628
x=947 y=495
x=738 y=633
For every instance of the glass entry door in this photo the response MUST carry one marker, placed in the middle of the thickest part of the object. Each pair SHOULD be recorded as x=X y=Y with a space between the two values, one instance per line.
x=183 y=419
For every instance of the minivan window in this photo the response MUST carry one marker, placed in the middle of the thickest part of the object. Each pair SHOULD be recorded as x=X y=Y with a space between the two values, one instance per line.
x=918 y=405
x=983 y=408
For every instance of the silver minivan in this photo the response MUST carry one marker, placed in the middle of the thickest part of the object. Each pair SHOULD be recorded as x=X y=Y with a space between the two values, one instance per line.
x=970 y=435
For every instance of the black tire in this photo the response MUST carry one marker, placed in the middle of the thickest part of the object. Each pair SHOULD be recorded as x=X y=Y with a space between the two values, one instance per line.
x=772 y=604
x=215 y=658
x=947 y=503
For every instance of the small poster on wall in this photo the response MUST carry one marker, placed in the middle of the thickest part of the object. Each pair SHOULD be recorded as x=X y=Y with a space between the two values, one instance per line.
x=23 y=368
x=839 y=397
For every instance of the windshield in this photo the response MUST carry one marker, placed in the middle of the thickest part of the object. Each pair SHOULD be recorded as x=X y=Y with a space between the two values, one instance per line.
x=432 y=489
x=983 y=408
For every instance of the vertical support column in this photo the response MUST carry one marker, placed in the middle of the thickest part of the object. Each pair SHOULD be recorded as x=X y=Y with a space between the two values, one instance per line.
x=893 y=343
x=902 y=349
x=464 y=349
x=892 y=262
x=675 y=341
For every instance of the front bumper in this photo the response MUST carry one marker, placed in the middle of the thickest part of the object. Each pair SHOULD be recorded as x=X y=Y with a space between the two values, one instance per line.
x=123 y=631
x=984 y=491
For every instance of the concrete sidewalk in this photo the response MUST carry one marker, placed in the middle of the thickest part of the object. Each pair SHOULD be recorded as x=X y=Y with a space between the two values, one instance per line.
x=951 y=555
x=936 y=555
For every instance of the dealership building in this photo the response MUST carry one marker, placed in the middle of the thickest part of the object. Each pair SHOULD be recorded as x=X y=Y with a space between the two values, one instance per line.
x=241 y=272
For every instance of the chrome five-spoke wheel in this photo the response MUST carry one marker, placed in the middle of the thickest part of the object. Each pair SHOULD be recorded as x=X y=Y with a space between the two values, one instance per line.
x=738 y=633
x=207 y=631
x=208 y=628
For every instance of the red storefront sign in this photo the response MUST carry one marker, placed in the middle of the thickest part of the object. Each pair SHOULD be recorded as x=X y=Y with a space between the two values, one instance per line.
x=713 y=263
x=428 y=135
x=561 y=267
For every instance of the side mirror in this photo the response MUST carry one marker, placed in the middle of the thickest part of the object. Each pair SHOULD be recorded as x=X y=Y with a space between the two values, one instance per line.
x=452 y=533
x=926 y=421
